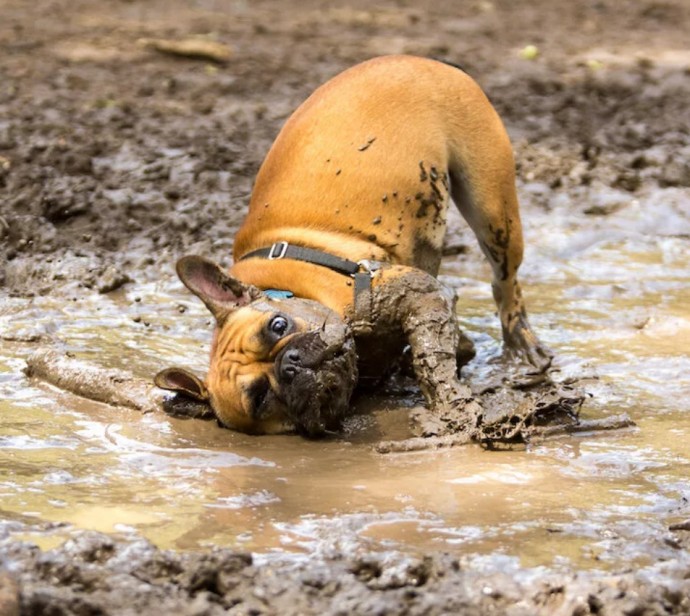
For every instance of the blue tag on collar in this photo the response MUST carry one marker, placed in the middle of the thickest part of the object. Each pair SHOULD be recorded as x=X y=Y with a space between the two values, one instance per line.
x=278 y=294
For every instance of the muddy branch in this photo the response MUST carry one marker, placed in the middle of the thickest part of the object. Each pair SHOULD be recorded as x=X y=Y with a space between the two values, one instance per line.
x=533 y=434
x=108 y=385
x=509 y=415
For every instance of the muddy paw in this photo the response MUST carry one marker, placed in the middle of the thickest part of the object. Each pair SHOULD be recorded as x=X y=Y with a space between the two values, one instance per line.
x=521 y=344
x=461 y=419
x=538 y=357
x=426 y=424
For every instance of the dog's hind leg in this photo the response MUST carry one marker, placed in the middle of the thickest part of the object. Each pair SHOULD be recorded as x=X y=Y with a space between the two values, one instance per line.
x=484 y=192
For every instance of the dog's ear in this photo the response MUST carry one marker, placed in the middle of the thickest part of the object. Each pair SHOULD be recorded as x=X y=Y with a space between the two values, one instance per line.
x=182 y=381
x=219 y=291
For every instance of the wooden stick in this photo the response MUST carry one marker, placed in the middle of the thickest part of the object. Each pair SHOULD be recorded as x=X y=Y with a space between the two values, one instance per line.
x=532 y=433
x=114 y=387
x=422 y=443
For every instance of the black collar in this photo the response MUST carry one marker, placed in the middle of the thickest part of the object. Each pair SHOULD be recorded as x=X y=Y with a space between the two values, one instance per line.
x=283 y=250
x=362 y=271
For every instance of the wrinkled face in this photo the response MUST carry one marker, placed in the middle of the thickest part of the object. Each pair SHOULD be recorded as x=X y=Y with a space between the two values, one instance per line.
x=278 y=365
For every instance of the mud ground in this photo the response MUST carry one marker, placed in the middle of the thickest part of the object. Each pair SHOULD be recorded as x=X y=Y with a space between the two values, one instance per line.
x=99 y=574
x=115 y=159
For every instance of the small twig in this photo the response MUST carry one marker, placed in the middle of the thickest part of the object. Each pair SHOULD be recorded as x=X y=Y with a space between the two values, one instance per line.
x=614 y=422
x=421 y=443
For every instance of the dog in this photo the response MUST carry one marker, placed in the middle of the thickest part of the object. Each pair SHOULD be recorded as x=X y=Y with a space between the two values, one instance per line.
x=335 y=265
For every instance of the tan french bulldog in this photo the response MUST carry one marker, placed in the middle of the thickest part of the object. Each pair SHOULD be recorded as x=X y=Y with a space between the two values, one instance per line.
x=335 y=264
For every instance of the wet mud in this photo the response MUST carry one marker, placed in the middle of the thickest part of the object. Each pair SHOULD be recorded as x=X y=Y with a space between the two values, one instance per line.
x=100 y=574
x=130 y=134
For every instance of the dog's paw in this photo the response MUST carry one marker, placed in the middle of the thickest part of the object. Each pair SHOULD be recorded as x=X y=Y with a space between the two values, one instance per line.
x=459 y=419
x=537 y=359
x=521 y=345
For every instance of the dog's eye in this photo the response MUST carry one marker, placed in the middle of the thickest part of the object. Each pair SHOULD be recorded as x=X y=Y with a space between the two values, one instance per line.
x=278 y=325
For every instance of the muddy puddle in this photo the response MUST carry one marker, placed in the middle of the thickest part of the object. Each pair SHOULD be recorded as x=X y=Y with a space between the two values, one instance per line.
x=611 y=294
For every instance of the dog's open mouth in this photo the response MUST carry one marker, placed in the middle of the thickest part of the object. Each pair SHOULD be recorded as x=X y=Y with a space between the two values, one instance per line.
x=317 y=376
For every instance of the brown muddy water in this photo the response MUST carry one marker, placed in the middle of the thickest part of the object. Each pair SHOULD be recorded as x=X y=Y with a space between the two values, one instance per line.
x=611 y=294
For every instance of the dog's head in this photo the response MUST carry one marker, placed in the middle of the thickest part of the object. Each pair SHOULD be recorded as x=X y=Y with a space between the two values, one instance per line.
x=276 y=364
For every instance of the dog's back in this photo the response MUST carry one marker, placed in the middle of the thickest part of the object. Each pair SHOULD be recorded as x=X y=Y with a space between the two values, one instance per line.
x=365 y=167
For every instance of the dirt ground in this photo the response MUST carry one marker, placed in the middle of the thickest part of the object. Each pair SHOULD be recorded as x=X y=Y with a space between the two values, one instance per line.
x=116 y=158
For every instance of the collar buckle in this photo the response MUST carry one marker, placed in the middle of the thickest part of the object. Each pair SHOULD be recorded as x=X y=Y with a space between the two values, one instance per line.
x=277 y=251
x=368 y=267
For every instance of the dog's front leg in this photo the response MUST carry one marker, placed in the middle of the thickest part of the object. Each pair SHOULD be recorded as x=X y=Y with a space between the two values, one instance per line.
x=426 y=313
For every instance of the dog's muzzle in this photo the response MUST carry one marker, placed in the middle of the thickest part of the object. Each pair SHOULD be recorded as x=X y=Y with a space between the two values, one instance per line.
x=317 y=373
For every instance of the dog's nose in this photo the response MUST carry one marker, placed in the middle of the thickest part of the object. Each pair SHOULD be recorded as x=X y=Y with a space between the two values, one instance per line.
x=289 y=364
